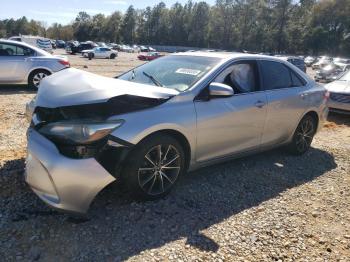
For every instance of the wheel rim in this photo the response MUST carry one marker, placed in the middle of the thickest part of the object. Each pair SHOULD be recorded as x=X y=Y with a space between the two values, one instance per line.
x=160 y=169
x=38 y=77
x=305 y=135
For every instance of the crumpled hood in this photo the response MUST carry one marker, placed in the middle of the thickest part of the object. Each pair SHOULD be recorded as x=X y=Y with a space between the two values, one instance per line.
x=338 y=87
x=76 y=87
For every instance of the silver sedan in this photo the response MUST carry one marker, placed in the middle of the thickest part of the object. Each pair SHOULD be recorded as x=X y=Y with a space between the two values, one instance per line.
x=23 y=63
x=152 y=124
x=339 y=89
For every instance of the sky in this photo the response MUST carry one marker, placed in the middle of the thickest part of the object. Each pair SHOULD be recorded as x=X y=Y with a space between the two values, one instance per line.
x=64 y=11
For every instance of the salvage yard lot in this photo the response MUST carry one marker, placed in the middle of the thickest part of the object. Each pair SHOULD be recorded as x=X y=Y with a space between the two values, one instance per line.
x=266 y=207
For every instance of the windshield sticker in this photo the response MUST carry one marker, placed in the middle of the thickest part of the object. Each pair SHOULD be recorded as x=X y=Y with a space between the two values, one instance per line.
x=187 y=71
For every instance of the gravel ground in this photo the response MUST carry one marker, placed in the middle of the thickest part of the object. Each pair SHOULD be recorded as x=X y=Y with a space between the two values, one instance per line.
x=267 y=207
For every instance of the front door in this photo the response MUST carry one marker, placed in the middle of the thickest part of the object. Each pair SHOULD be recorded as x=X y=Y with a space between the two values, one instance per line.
x=233 y=124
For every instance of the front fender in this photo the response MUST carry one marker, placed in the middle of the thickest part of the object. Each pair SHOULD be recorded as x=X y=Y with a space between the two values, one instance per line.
x=175 y=117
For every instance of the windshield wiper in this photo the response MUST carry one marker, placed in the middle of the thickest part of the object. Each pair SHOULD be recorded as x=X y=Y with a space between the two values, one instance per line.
x=154 y=80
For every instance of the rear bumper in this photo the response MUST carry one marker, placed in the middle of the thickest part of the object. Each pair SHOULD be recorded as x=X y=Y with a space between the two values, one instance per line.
x=61 y=182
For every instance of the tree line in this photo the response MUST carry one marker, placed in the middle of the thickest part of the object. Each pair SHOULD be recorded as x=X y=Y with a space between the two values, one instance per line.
x=305 y=26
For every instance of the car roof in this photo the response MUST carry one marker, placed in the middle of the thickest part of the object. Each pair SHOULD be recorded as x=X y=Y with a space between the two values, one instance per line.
x=229 y=55
x=15 y=42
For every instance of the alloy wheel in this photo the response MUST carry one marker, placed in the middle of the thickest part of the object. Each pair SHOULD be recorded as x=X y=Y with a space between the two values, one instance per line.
x=305 y=135
x=159 y=170
x=38 y=77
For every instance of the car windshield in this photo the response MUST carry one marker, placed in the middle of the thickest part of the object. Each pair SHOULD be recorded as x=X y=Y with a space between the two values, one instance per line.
x=345 y=77
x=340 y=60
x=175 y=71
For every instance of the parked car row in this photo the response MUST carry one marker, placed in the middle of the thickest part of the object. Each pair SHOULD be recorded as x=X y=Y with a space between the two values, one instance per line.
x=327 y=68
x=297 y=61
x=74 y=47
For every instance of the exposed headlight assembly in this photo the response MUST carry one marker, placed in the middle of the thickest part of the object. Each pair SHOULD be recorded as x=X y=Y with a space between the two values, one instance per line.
x=79 y=132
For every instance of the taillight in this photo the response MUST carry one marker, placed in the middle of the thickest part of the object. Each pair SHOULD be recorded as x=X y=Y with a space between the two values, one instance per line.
x=64 y=62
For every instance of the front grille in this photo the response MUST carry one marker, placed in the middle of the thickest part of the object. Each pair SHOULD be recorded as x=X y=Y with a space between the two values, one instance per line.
x=342 y=98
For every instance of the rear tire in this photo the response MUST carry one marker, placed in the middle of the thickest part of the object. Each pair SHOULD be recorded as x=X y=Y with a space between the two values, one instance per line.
x=36 y=77
x=153 y=167
x=113 y=56
x=303 y=136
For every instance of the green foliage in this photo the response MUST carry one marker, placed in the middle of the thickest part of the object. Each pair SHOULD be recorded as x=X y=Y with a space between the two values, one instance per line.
x=304 y=26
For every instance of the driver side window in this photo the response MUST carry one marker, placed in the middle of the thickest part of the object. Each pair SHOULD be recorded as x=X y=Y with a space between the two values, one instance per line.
x=241 y=76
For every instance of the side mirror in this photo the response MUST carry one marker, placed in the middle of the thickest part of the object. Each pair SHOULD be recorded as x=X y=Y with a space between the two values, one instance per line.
x=220 y=90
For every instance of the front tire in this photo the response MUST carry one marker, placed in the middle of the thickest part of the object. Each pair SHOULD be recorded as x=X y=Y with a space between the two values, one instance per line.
x=303 y=136
x=154 y=167
x=113 y=56
x=36 y=77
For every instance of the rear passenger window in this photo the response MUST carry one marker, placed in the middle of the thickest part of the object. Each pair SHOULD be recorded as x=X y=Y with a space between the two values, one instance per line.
x=275 y=75
x=296 y=81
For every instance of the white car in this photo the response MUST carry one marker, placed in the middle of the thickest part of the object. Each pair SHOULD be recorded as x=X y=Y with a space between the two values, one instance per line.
x=339 y=100
x=343 y=63
x=37 y=41
x=100 y=52
x=322 y=62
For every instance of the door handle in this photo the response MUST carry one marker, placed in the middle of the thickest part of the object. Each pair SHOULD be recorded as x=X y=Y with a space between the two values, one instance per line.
x=259 y=103
x=304 y=95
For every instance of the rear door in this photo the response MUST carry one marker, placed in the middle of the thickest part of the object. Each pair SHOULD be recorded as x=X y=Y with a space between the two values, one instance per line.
x=230 y=125
x=100 y=53
x=286 y=93
x=106 y=52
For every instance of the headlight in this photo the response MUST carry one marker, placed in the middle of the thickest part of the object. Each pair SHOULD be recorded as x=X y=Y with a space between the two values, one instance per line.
x=80 y=132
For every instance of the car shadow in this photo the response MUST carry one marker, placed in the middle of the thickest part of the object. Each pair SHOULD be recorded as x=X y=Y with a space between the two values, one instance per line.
x=124 y=228
x=204 y=198
x=16 y=89
x=339 y=119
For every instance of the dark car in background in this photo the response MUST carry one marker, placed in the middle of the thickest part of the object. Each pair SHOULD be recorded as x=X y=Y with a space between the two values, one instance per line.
x=60 y=44
x=297 y=61
x=76 y=47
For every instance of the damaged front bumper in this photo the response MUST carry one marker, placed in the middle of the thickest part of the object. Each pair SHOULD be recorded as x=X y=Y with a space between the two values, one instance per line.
x=64 y=183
